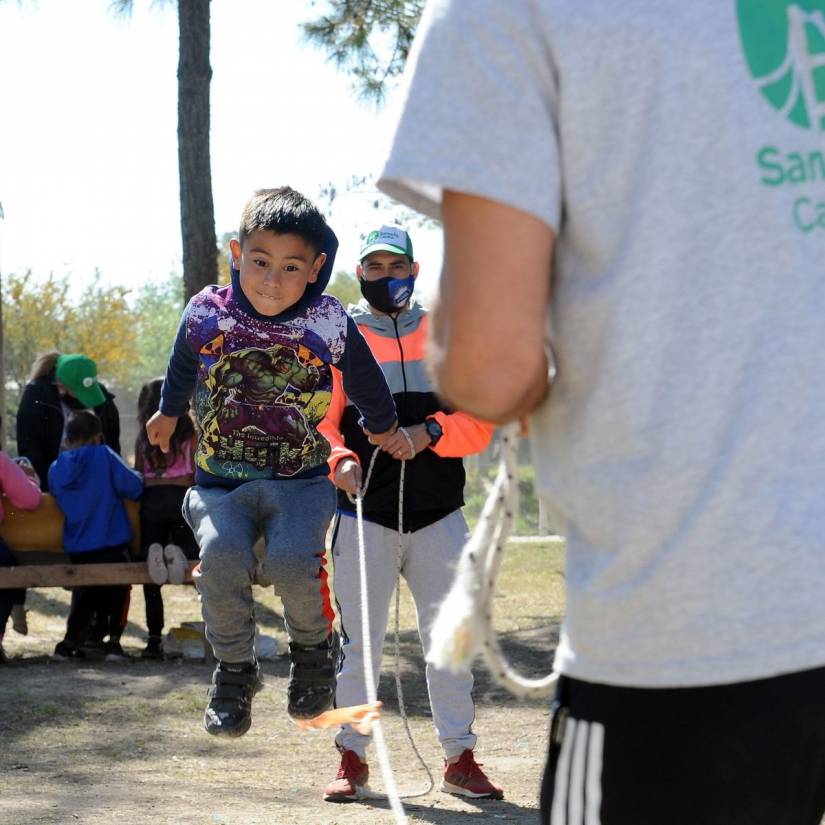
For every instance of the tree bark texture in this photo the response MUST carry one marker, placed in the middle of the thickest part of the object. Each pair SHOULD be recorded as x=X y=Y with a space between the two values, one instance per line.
x=197 y=215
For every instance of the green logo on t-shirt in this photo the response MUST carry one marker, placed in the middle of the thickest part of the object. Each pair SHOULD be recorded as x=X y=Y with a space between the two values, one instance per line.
x=784 y=43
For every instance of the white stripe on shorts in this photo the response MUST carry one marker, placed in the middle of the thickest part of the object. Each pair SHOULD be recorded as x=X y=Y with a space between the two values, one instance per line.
x=595 y=749
x=577 y=788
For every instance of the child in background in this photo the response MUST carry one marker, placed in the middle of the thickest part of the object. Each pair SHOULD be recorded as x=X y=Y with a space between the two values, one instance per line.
x=166 y=539
x=88 y=481
x=258 y=355
x=20 y=488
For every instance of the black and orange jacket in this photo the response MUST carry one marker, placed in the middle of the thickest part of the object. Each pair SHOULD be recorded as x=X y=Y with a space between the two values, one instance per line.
x=434 y=479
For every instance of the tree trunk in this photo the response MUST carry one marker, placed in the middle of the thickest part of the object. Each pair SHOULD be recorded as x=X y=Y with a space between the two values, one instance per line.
x=197 y=217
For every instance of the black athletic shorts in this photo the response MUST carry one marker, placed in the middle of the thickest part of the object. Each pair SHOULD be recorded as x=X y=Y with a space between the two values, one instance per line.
x=751 y=753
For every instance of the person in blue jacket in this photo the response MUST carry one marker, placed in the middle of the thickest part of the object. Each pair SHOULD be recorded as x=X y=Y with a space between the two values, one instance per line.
x=89 y=481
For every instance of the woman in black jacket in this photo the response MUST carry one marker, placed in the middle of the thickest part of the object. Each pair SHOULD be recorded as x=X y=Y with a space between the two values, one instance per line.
x=47 y=400
x=57 y=385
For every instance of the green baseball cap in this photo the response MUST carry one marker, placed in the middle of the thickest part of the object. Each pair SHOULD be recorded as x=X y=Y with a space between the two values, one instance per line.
x=386 y=239
x=78 y=374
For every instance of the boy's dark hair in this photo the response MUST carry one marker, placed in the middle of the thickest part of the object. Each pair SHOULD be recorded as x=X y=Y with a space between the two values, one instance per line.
x=147 y=405
x=82 y=426
x=283 y=210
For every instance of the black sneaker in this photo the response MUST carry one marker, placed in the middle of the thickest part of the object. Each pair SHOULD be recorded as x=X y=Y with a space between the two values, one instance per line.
x=92 y=649
x=115 y=652
x=153 y=649
x=313 y=674
x=229 y=712
x=67 y=650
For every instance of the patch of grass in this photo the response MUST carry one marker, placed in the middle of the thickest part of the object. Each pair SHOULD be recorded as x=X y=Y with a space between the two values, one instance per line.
x=478 y=486
x=188 y=702
x=530 y=585
x=529 y=592
x=49 y=710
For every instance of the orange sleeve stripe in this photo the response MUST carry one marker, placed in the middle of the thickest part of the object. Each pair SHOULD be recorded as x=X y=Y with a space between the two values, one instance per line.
x=330 y=427
x=463 y=434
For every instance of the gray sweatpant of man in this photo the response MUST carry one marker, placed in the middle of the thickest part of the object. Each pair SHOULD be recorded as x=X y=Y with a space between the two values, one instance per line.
x=292 y=516
x=428 y=560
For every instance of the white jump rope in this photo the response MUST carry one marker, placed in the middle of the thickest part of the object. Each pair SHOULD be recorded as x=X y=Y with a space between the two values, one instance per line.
x=464 y=626
x=380 y=744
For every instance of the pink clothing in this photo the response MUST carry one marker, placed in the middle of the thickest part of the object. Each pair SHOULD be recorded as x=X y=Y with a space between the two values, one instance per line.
x=183 y=464
x=21 y=491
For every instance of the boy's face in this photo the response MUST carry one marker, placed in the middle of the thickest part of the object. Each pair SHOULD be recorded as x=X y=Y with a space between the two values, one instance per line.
x=275 y=269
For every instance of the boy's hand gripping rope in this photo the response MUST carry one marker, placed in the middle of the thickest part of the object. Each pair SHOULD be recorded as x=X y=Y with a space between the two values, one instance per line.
x=464 y=625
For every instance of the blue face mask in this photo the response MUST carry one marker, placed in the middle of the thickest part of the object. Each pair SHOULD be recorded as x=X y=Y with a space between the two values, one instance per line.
x=388 y=294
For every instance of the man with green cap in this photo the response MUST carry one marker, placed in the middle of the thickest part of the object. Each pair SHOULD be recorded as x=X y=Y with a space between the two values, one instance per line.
x=432 y=439
x=59 y=384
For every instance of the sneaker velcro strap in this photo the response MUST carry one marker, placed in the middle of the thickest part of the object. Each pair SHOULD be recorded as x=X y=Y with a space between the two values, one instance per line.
x=322 y=675
x=230 y=677
x=309 y=657
x=223 y=691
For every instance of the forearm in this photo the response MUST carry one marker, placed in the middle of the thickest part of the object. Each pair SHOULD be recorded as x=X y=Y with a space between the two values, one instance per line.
x=487 y=348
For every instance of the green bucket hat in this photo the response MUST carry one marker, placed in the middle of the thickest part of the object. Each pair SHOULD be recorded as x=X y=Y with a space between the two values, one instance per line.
x=78 y=374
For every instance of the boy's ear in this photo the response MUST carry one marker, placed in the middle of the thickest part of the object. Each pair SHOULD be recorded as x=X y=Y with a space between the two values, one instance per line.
x=359 y=272
x=316 y=267
x=414 y=269
x=235 y=249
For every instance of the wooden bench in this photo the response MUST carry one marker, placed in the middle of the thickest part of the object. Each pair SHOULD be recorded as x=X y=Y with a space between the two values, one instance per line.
x=36 y=539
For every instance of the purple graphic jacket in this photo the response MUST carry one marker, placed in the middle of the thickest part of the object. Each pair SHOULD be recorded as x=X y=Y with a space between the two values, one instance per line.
x=262 y=384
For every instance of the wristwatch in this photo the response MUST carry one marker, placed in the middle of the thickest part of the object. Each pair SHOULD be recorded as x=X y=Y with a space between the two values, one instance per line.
x=434 y=430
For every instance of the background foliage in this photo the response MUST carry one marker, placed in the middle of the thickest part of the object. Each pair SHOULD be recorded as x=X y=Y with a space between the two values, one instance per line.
x=344 y=286
x=368 y=39
x=129 y=335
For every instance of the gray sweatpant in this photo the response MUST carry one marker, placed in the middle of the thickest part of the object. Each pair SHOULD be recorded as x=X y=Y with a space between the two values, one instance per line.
x=293 y=517
x=428 y=561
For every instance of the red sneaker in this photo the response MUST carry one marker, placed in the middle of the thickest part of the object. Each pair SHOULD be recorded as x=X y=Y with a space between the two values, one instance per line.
x=465 y=778
x=350 y=783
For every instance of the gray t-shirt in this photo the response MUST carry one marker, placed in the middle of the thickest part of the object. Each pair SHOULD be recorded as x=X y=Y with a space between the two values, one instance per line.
x=678 y=151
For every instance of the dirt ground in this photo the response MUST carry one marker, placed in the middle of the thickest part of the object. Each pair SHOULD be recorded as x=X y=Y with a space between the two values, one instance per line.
x=97 y=742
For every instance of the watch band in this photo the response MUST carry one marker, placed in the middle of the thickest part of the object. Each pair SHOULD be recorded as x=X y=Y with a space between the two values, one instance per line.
x=434 y=430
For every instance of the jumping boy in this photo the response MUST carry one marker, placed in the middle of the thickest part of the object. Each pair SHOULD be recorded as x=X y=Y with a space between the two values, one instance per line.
x=258 y=355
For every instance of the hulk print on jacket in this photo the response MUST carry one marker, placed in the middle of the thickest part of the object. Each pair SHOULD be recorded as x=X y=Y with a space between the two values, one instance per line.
x=263 y=407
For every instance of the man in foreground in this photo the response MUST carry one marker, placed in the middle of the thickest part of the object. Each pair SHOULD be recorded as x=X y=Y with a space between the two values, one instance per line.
x=645 y=161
